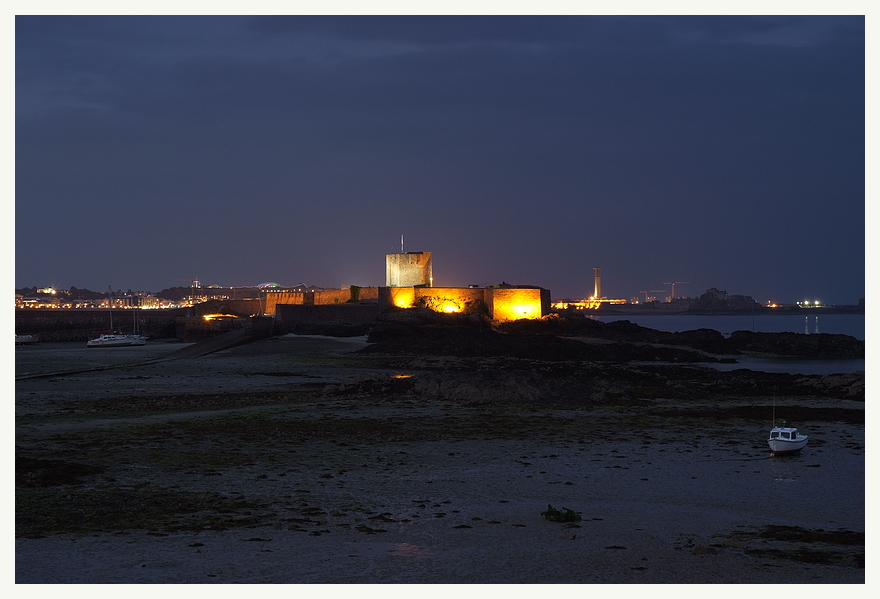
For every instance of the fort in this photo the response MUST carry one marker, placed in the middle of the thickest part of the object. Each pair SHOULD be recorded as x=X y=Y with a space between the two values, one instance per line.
x=409 y=282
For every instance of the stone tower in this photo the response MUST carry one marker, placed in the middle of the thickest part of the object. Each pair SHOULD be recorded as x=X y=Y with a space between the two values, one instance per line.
x=410 y=269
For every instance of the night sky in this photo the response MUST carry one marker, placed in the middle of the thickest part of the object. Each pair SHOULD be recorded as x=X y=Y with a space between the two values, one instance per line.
x=724 y=151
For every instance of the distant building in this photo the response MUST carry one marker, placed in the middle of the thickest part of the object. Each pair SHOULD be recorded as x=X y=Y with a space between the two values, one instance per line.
x=149 y=301
x=589 y=303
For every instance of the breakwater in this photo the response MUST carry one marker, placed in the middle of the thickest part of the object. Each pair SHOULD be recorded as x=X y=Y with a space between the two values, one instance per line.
x=81 y=324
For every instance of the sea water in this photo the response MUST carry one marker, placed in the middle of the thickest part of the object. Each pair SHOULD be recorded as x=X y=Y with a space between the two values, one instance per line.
x=844 y=324
x=791 y=365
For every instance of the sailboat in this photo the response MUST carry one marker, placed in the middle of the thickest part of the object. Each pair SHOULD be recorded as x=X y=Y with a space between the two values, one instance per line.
x=784 y=439
x=113 y=339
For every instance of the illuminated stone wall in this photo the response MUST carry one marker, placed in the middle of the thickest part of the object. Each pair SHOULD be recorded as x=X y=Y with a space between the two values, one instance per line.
x=398 y=297
x=317 y=298
x=331 y=296
x=514 y=303
x=283 y=297
x=450 y=299
x=409 y=270
x=501 y=303
x=341 y=296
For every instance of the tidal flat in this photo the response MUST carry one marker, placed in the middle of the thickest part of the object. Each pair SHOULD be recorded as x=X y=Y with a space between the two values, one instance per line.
x=308 y=460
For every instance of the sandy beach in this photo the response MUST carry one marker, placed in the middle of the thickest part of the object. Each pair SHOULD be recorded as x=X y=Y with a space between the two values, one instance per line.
x=297 y=460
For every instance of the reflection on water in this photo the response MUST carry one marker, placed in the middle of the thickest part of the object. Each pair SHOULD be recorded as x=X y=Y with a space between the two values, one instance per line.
x=410 y=550
x=785 y=468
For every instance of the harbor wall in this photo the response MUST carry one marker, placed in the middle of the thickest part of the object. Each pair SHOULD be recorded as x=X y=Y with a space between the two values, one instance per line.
x=60 y=324
x=80 y=325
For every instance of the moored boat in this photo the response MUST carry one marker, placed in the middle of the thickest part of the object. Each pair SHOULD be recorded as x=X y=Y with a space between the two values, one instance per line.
x=113 y=340
x=25 y=339
x=110 y=338
x=784 y=439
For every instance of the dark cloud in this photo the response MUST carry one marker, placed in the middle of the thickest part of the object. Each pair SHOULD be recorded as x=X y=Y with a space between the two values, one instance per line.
x=431 y=30
x=518 y=148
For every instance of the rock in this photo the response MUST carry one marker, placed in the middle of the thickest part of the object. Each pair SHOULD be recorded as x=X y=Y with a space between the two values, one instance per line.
x=715 y=300
x=819 y=345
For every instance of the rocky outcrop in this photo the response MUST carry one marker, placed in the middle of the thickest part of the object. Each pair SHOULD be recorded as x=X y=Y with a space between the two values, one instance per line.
x=520 y=381
x=849 y=386
x=715 y=300
x=819 y=345
x=441 y=340
x=532 y=362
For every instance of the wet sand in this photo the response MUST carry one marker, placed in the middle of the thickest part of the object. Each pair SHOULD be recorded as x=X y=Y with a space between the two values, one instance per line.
x=366 y=488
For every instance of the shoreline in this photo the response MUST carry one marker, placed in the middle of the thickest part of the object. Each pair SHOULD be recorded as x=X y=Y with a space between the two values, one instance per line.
x=301 y=474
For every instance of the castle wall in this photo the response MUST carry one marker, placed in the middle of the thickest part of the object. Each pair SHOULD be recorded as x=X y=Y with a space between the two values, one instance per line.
x=331 y=296
x=450 y=299
x=516 y=303
x=284 y=297
x=317 y=298
x=340 y=296
x=397 y=297
x=501 y=303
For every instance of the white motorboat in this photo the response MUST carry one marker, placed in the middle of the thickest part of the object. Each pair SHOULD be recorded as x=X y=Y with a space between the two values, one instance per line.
x=26 y=339
x=784 y=439
x=113 y=340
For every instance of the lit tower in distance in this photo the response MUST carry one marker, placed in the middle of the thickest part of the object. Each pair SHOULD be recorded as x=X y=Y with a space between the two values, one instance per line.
x=674 y=283
x=597 y=283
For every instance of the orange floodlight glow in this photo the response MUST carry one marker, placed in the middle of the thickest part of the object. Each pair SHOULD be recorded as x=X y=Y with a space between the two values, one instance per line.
x=527 y=311
x=516 y=304
x=403 y=297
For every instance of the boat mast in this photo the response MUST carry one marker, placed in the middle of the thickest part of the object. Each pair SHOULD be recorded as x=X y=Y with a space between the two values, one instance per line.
x=110 y=305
